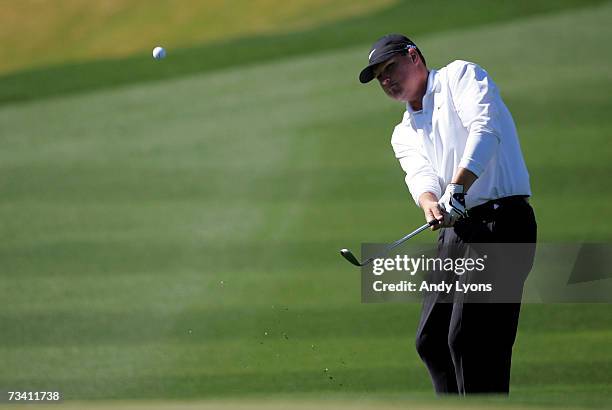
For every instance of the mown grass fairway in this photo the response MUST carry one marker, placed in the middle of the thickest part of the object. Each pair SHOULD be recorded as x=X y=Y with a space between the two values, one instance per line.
x=73 y=30
x=177 y=240
x=337 y=403
x=273 y=41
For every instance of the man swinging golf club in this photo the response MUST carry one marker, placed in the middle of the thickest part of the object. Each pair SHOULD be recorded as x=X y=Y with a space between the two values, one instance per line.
x=459 y=148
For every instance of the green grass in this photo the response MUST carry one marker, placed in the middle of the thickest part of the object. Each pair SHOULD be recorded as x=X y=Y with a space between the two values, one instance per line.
x=178 y=239
x=415 y=18
x=361 y=402
x=81 y=30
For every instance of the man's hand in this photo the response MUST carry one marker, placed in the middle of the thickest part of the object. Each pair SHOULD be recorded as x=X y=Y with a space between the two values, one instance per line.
x=453 y=202
x=429 y=204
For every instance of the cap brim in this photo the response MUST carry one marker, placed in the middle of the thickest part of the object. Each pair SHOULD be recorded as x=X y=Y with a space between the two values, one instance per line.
x=367 y=74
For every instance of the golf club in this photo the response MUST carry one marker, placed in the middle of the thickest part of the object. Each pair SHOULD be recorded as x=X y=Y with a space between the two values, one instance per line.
x=348 y=255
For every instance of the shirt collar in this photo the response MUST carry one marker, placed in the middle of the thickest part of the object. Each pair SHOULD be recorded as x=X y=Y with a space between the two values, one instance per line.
x=432 y=82
x=433 y=86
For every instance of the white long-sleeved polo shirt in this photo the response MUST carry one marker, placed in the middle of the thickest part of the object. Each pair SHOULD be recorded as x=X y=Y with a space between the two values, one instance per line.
x=463 y=123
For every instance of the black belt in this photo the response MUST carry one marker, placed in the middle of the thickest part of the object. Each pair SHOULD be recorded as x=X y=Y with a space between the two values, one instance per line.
x=486 y=212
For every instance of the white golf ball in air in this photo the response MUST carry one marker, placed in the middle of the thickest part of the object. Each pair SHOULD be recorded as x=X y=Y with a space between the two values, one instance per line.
x=159 y=53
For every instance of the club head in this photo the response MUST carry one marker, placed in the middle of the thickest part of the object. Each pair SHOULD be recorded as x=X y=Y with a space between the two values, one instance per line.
x=348 y=255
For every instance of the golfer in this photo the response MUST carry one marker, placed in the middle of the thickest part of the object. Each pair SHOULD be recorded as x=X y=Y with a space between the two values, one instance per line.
x=459 y=148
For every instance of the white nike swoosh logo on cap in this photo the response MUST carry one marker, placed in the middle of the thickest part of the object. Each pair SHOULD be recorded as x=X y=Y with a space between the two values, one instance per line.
x=371 y=52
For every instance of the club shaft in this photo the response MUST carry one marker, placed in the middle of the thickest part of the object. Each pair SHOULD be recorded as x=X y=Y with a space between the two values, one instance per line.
x=348 y=255
x=401 y=241
x=410 y=235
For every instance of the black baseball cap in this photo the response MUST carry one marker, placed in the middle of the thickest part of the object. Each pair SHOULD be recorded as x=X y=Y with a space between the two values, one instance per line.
x=385 y=48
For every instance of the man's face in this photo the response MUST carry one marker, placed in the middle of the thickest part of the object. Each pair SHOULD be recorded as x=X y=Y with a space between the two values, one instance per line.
x=400 y=77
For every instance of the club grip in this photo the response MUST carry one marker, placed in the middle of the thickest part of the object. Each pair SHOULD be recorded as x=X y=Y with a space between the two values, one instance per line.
x=433 y=222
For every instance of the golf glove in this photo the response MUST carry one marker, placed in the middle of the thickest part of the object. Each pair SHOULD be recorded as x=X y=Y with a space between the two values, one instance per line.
x=453 y=202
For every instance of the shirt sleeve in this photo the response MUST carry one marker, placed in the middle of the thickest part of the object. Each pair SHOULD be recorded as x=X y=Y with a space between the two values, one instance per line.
x=420 y=174
x=476 y=100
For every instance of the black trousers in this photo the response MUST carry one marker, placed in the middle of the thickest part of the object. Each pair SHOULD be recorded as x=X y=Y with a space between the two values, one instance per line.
x=467 y=344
